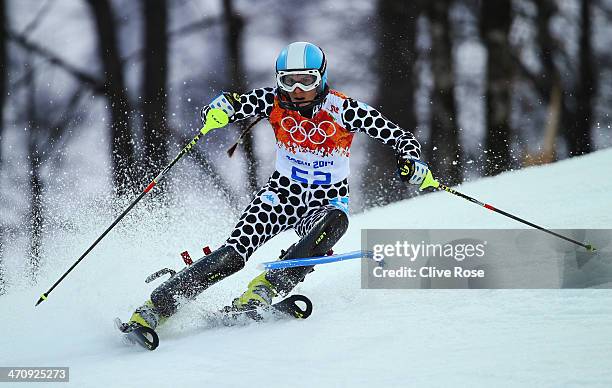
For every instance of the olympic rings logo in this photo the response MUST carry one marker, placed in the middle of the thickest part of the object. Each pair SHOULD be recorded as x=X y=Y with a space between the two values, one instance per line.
x=307 y=130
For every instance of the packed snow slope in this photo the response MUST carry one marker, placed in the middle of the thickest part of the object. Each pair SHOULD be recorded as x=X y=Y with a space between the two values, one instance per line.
x=355 y=337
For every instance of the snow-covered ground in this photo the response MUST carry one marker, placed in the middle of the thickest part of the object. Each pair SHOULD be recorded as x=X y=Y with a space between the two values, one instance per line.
x=355 y=337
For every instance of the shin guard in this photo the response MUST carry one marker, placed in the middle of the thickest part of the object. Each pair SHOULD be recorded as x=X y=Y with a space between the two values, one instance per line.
x=194 y=279
x=319 y=240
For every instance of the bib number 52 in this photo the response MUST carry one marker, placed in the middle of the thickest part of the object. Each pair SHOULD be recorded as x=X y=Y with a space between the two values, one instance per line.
x=316 y=178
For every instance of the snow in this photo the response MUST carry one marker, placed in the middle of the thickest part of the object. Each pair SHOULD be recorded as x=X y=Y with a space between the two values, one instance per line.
x=355 y=337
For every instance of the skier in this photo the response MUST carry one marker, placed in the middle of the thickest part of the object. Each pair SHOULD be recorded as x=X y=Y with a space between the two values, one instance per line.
x=314 y=126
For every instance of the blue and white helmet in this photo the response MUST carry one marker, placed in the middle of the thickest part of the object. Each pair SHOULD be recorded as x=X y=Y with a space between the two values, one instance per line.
x=303 y=65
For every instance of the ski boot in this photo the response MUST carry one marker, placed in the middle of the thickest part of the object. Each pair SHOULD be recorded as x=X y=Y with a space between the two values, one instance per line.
x=144 y=316
x=140 y=329
x=259 y=293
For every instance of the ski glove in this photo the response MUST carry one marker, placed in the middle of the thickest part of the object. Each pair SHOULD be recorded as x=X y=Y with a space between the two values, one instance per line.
x=227 y=102
x=412 y=170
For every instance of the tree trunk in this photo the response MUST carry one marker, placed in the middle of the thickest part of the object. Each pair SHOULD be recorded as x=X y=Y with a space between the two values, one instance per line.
x=3 y=93
x=237 y=75
x=122 y=154
x=552 y=82
x=155 y=128
x=396 y=84
x=36 y=212
x=548 y=85
x=579 y=135
x=444 y=152
x=495 y=20
x=3 y=71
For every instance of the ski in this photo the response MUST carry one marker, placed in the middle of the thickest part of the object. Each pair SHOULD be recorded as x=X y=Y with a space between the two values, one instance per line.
x=294 y=306
x=286 y=308
x=143 y=336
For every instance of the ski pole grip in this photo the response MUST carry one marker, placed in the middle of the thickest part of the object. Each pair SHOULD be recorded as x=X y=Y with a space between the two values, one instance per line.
x=215 y=118
x=429 y=181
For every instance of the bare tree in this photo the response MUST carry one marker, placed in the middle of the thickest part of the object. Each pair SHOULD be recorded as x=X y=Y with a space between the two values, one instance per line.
x=3 y=92
x=122 y=156
x=578 y=135
x=43 y=137
x=54 y=59
x=36 y=186
x=546 y=83
x=549 y=81
x=3 y=71
x=444 y=152
x=396 y=85
x=97 y=86
x=34 y=133
x=156 y=132
x=234 y=27
x=495 y=20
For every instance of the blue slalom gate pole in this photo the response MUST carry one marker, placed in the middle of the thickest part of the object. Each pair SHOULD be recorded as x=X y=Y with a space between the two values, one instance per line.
x=308 y=261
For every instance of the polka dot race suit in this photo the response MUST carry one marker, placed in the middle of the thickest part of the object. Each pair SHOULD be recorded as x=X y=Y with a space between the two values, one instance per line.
x=312 y=163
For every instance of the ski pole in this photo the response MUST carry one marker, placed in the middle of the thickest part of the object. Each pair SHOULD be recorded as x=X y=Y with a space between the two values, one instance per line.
x=429 y=181
x=216 y=118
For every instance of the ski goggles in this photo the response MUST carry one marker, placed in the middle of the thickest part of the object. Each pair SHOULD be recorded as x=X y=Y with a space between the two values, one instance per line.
x=305 y=79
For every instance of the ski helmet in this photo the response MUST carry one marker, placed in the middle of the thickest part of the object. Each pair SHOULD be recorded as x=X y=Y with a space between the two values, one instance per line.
x=303 y=65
